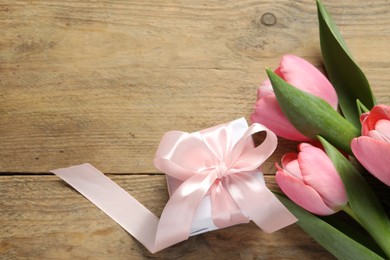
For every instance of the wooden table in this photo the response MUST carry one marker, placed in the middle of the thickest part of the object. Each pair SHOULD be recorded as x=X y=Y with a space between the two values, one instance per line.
x=101 y=81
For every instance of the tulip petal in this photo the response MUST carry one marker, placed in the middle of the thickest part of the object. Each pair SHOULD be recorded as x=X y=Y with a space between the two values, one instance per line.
x=370 y=119
x=288 y=157
x=303 y=75
x=265 y=89
x=383 y=127
x=290 y=164
x=318 y=172
x=378 y=135
x=302 y=194
x=267 y=112
x=374 y=155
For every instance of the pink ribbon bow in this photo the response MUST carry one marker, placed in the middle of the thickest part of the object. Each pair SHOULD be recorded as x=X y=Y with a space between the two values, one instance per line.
x=219 y=164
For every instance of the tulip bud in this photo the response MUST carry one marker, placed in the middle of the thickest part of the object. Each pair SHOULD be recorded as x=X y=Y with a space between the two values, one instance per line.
x=311 y=181
x=372 y=149
x=302 y=75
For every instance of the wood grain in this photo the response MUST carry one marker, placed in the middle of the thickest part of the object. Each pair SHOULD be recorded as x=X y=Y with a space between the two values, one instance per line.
x=43 y=218
x=100 y=82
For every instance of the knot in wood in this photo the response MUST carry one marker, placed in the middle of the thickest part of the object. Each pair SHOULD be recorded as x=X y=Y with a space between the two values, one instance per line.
x=268 y=19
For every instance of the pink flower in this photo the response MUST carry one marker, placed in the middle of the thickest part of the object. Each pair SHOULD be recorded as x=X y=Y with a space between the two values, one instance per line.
x=372 y=149
x=311 y=181
x=301 y=74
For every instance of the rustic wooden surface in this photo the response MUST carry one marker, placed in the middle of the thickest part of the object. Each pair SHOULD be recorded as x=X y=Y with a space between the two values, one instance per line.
x=101 y=81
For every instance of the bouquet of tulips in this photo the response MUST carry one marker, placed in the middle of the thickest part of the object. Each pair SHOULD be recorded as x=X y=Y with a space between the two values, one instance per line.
x=345 y=135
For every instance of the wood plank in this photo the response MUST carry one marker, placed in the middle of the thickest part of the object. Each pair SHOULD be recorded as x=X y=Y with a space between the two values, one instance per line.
x=41 y=217
x=101 y=81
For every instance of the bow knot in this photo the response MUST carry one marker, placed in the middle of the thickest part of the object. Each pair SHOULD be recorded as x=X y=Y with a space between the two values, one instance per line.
x=221 y=170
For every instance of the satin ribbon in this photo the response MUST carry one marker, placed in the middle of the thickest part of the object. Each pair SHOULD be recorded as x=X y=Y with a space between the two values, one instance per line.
x=219 y=163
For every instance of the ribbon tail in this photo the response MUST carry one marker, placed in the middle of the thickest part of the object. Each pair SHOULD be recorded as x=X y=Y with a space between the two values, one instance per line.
x=259 y=203
x=225 y=211
x=176 y=218
x=114 y=201
x=155 y=234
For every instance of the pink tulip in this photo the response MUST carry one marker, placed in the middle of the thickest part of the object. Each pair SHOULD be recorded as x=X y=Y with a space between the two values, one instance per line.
x=304 y=76
x=311 y=181
x=372 y=149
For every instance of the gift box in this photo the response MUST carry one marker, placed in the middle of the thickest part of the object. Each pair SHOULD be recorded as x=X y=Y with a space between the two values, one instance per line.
x=213 y=180
x=202 y=220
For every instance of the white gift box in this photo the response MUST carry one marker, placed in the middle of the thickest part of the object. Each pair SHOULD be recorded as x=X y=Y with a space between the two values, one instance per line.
x=203 y=221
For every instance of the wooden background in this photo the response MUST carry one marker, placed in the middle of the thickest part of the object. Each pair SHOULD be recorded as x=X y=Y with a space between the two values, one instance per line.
x=101 y=81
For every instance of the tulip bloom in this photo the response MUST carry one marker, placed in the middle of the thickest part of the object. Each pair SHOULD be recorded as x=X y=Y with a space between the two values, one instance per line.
x=302 y=75
x=372 y=149
x=311 y=181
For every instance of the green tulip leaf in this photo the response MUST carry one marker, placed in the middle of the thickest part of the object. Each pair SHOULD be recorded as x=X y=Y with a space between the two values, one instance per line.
x=353 y=231
x=361 y=108
x=346 y=76
x=336 y=242
x=311 y=115
x=364 y=204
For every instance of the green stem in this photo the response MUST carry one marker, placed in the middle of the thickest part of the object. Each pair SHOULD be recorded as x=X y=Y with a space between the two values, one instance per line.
x=347 y=209
x=382 y=240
